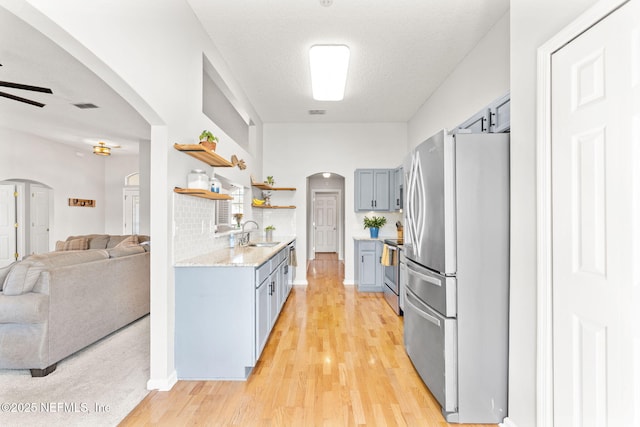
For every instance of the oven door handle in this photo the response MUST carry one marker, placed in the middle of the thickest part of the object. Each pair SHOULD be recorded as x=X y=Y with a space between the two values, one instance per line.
x=419 y=311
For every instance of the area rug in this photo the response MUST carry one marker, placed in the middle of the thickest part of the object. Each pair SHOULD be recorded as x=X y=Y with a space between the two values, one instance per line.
x=97 y=386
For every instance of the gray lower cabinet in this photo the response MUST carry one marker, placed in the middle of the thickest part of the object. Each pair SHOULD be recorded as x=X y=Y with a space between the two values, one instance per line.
x=224 y=316
x=370 y=275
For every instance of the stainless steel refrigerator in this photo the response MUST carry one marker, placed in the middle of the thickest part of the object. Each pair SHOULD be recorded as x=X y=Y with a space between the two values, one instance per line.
x=457 y=249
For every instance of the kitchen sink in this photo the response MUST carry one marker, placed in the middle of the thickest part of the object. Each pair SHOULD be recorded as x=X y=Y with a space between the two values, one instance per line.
x=258 y=244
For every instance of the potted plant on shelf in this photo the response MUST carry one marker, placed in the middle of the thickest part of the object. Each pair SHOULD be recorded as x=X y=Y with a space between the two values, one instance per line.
x=208 y=140
x=269 y=232
x=270 y=181
x=373 y=224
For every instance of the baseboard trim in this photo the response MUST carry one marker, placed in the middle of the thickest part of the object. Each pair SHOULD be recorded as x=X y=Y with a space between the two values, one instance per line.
x=507 y=423
x=301 y=282
x=163 y=384
x=349 y=282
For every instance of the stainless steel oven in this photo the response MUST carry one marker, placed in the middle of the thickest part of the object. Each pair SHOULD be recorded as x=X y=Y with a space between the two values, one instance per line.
x=391 y=286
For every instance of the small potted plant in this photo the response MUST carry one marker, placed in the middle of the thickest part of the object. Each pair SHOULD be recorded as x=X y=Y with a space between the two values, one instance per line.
x=373 y=224
x=270 y=181
x=269 y=232
x=208 y=140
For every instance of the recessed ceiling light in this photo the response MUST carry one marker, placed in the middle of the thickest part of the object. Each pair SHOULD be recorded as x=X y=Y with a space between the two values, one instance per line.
x=326 y=174
x=329 y=65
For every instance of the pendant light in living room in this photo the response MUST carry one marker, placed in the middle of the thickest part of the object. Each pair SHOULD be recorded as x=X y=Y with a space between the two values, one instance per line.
x=101 y=149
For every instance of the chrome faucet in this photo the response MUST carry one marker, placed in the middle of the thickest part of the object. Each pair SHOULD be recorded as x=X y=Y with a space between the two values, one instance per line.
x=244 y=237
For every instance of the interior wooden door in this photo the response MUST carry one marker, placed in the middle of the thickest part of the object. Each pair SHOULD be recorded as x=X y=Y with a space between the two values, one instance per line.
x=39 y=208
x=596 y=223
x=326 y=217
x=8 y=221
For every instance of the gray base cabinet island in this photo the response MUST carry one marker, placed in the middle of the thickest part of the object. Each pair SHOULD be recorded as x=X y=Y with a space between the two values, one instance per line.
x=226 y=305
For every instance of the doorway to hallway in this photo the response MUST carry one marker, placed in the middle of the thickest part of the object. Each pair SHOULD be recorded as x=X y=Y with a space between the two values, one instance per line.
x=325 y=215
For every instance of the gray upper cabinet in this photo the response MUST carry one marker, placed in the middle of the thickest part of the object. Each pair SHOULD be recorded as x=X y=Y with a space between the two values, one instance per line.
x=478 y=123
x=495 y=118
x=372 y=188
x=500 y=114
x=396 y=189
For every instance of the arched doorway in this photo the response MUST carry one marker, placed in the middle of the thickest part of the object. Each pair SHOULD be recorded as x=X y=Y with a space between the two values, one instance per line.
x=325 y=214
x=26 y=218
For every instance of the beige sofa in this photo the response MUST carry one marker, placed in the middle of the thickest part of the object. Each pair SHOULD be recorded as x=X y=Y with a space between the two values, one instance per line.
x=54 y=304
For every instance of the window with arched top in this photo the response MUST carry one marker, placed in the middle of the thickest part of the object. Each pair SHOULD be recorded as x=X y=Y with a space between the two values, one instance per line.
x=132 y=179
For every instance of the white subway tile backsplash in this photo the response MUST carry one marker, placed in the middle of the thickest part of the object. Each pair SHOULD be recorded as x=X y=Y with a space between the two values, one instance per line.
x=194 y=228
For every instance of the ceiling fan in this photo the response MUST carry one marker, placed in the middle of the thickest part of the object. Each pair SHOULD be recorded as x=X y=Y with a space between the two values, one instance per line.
x=104 y=149
x=23 y=87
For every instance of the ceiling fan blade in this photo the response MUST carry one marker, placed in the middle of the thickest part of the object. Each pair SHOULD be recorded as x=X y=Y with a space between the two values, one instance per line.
x=17 y=98
x=26 y=87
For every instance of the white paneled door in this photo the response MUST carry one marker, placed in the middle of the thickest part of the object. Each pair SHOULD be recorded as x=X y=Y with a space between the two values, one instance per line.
x=39 y=219
x=8 y=221
x=596 y=223
x=326 y=217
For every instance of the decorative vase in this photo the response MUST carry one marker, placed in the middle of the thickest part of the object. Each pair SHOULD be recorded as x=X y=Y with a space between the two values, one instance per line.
x=269 y=235
x=208 y=145
x=374 y=232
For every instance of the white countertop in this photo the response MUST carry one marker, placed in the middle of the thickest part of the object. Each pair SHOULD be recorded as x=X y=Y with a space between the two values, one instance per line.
x=239 y=256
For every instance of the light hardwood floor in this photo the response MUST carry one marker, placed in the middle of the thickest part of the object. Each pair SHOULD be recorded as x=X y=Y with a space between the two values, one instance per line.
x=335 y=358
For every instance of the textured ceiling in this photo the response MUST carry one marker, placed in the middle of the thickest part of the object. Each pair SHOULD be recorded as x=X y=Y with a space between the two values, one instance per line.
x=401 y=50
x=28 y=57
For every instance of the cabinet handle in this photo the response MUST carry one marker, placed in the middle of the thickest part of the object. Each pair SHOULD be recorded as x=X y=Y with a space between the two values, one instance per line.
x=372 y=203
x=482 y=120
x=362 y=259
x=492 y=121
x=375 y=203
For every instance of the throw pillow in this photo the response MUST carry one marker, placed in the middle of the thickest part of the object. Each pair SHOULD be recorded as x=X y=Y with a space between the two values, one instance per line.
x=129 y=241
x=79 y=244
x=99 y=242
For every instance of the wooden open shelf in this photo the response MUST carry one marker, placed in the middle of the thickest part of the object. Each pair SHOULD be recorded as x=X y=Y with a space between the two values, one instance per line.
x=270 y=188
x=272 y=207
x=204 y=194
x=264 y=186
x=199 y=152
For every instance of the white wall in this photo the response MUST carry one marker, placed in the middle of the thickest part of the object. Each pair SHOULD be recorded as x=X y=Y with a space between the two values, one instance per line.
x=532 y=24
x=24 y=156
x=481 y=77
x=294 y=151
x=151 y=53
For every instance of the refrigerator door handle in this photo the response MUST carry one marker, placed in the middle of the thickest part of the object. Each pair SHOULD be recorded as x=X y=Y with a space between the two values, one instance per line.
x=420 y=311
x=432 y=280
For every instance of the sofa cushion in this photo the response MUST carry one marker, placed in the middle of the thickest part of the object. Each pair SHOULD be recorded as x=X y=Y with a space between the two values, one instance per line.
x=4 y=271
x=80 y=243
x=115 y=240
x=120 y=251
x=61 y=259
x=15 y=282
x=29 y=308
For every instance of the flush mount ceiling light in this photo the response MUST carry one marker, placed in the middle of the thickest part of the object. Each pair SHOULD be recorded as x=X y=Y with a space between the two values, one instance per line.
x=101 y=149
x=329 y=65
